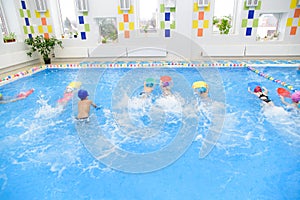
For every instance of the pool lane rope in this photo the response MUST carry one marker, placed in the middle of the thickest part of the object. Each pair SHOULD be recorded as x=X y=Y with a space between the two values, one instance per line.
x=286 y=85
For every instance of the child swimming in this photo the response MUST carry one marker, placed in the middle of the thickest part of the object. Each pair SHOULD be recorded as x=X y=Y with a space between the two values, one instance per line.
x=149 y=84
x=84 y=105
x=201 y=88
x=295 y=100
x=165 y=84
x=262 y=94
x=21 y=95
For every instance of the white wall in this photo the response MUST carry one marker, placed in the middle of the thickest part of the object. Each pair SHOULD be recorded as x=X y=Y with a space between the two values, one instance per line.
x=183 y=42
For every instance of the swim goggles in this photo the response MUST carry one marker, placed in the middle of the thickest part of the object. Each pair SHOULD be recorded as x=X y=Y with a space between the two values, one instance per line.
x=149 y=84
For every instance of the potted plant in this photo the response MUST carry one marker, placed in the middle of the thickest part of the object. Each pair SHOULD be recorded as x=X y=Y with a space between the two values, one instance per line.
x=104 y=40
x=75 y=34
x=145 y=28
x=44 y=46
x=11 y=37
x=223 y=24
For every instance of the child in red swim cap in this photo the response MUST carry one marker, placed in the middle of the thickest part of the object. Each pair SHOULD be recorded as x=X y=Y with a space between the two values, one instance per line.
x=262 y=94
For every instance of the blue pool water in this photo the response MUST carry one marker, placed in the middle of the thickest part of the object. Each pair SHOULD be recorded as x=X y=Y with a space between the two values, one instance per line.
x=178 y=147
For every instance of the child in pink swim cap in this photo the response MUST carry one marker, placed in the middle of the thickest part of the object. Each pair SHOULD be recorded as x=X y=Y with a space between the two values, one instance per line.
x=295 y=100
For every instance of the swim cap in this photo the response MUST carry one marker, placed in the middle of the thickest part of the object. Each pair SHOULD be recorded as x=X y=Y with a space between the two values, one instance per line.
x=82 y=94
x=199 y=84
x=202 y=89
x=165 y=78
x=296 y=97
x=150 y=82
x=257 y=89
x=75 y=84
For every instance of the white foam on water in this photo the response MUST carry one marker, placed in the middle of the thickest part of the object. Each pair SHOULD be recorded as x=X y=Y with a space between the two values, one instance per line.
x=47 y=111
x=44 y=140
x=286 y=121
x=235 y=130
x=125 y=124
x=171 y=103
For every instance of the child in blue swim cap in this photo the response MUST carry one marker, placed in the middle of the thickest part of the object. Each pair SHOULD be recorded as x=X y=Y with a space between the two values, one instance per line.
x=84 y=104
x=148 y=87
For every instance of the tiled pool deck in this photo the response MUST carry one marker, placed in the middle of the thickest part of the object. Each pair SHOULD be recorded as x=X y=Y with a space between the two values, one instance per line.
x=148 y=64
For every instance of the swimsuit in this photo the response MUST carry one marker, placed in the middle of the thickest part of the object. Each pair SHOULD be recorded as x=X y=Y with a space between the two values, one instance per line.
x=264 y=98
x=84 y=119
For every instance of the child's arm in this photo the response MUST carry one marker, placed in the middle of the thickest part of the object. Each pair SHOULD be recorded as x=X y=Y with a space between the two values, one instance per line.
x=11 y=100
x=250 y=90
x=283 y=101
x=265 y=90
x=94 y=105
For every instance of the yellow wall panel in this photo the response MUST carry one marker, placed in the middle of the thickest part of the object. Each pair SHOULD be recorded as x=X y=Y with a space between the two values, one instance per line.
x=205 y=23
x=121 y=26
x=131 y=26
x=195 y=23
x=289 y=22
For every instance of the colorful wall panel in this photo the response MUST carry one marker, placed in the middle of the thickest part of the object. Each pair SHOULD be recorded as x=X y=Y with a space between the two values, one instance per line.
x=25 y=15
x=83 y=27
x=251 y=22
x=200 y=19
x=167 y=19
x=44 y=28
x=294 y=18
x=126 y=21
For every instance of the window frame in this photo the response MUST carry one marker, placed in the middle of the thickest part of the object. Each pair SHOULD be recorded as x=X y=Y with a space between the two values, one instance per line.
x=82 y=5
x=107 y=40
x=153 y=32
x=233 y=28
x=280 y=26
x=202 y=3
x=65 y=34
x=4 y=21
x=123 y=4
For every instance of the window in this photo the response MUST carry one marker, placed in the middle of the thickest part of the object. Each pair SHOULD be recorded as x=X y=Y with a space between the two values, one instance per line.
x=170 y=3
x=251 y=3
x=82 y=5
x=268 y=27
x=107 y=29
x=68 y=17
x=148 y=15
x=223 y=16
x=3 y=23
x=41 y=5
x=125 y=4
x=202 y=3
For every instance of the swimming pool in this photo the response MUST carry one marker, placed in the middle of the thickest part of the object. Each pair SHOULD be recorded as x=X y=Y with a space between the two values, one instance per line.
x=228 y=148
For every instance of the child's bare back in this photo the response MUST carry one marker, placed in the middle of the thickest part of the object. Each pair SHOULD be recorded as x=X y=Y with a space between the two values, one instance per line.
x=84 y=105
